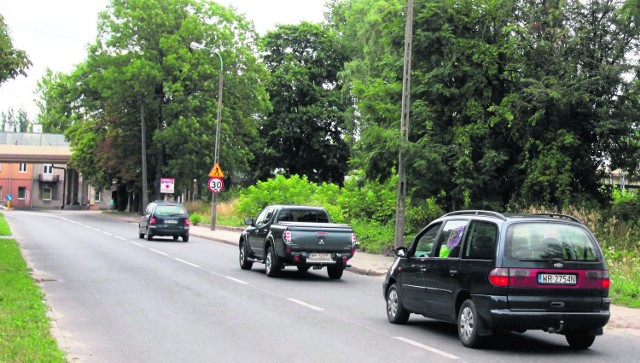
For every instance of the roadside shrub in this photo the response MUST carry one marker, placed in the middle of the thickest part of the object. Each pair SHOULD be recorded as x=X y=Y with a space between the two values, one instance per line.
x=196 y=218
x=279 y=190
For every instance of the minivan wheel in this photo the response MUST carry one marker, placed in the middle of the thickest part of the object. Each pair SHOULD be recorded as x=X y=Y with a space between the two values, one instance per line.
x=579 y=341
x=395 y=310
x=271 y=264
x=469 y=325
x=245 y=264
x=149 y=235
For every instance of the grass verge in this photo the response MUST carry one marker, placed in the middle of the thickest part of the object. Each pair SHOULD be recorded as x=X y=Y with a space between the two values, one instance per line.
x=25 y=334
x=4 y=226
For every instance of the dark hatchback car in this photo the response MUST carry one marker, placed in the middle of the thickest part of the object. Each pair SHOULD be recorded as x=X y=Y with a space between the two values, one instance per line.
x=490 y=272
x=164 y=219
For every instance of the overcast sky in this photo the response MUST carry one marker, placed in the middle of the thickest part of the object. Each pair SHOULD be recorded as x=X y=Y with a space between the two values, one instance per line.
x=54 y=33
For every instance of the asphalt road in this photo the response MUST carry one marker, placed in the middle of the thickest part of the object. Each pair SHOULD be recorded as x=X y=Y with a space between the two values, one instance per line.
x=117 y=298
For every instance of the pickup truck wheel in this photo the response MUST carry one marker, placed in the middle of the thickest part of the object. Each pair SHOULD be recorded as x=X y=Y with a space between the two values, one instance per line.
x=245 y=264
x=271 y=263
x=303 y=268
x=335 y=271
x=395 y=310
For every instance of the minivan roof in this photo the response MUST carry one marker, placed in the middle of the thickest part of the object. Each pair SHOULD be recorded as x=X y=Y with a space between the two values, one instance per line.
x=507 y=216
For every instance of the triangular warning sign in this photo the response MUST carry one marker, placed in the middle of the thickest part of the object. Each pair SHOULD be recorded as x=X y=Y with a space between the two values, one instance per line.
x=216 y=172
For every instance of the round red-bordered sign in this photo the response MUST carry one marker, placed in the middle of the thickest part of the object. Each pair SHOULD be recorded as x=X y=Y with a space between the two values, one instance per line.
x=216 y=185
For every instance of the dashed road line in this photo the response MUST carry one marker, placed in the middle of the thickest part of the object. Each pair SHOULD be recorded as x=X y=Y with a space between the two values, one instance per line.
x=137 y=244
x=237 y=280
x=305 y=304
x=186 y=262
x=158 y=252
x=426 y=347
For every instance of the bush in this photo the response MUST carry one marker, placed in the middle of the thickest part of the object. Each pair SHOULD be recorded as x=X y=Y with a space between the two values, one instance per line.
x=196 y=218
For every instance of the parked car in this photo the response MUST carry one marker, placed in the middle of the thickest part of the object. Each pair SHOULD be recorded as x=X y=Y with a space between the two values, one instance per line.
x=163 y=218
x=489 y=272
x=296 y=235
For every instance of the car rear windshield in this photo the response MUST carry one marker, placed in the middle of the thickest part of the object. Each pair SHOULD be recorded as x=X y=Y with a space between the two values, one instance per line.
x=544 y=241
x=170 y=210
x=303 y=215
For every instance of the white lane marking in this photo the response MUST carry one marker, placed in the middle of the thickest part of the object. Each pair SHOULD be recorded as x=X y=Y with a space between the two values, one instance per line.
x=107 y=233
x=237 y=280
x=158 y=252
x=426 y=347
x=305 y=304
x=120 y=238
x=136 y=243
x=186 y=262
x=95 y=229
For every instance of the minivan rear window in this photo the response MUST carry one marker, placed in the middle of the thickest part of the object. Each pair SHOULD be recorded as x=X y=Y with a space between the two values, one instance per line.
x=544 y=241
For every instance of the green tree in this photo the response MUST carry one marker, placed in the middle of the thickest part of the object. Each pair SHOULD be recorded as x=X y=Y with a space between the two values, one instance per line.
x=13 y=62
x=140 y=69
x=304 y=134
x=17 y=121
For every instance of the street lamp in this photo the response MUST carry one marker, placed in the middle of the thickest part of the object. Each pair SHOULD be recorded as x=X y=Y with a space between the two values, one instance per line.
x=216 y=157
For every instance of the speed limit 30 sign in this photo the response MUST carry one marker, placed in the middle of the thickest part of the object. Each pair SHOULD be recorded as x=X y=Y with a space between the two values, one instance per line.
x=216 y=185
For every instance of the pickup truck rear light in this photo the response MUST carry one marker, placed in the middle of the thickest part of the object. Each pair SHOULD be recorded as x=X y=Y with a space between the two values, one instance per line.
x=152 y=221
x=287 y=236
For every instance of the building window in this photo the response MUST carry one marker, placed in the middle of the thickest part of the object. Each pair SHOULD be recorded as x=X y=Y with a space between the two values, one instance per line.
x=46 y=193
x=1 y=193
x=48 y=169
x=22 y=193
x=97 y=196
x=23 y=168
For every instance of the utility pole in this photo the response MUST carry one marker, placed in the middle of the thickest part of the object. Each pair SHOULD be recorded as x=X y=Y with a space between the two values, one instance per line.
x=145 y=193
x=404 y=127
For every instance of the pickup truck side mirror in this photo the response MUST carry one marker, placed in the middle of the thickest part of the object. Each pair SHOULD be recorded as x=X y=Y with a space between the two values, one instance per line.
x=250 y=222
x=400 y=251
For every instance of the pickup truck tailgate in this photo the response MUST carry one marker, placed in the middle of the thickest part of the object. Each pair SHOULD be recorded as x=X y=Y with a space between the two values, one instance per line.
x=320 y=236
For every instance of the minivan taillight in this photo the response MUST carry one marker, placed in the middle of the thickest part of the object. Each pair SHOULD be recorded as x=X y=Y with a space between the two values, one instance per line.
x=499 y=277
x=152 y=221
x=504 y=277
x=603 y=276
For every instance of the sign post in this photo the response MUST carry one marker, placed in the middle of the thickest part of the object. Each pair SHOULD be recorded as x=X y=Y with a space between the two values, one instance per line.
x=216 y=184
x=167 y=185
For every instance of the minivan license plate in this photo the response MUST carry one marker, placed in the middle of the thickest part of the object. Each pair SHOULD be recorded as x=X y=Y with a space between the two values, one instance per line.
x=556 y=279
x=319 y=257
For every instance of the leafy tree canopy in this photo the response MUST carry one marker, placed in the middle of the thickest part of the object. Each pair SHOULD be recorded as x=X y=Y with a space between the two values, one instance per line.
x=13 y=62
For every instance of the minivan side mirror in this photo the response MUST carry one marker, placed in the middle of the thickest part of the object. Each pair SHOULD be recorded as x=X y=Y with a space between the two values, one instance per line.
x=400 y=251
x=250 y=222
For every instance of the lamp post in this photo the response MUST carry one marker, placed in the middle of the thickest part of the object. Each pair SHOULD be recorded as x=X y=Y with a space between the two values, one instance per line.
x=216 y=152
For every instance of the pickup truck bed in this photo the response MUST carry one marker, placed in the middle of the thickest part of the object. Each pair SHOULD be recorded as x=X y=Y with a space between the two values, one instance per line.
x=276 y=241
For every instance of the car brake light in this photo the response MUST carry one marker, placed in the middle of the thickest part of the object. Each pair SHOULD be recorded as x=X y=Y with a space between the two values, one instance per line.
x=187 y=223
x=287 y=236
x=603 y=276
x=152 y=221
x=499 y=277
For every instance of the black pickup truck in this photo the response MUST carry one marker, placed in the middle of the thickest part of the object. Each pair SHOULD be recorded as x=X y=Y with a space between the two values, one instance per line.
x=301 y=236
